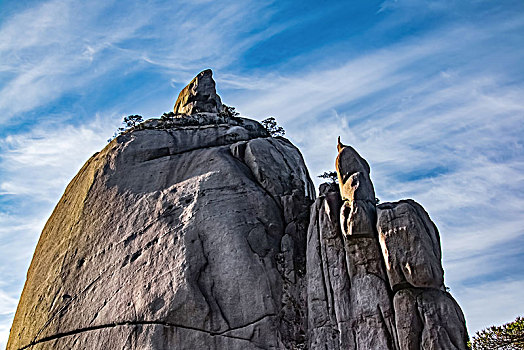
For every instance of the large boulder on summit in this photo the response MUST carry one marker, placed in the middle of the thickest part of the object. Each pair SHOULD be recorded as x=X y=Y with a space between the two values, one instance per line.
x=199 y=96
x=175 y=237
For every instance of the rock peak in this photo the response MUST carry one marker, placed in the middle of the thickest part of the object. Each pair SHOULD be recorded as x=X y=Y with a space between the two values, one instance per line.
x=199 y=96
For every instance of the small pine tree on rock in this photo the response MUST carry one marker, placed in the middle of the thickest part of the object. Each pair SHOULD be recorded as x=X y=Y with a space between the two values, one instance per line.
x=168 y=116
x=129 y=122
x=132 y=120
x=509 y=336
x=330 y=175
x=271 y=126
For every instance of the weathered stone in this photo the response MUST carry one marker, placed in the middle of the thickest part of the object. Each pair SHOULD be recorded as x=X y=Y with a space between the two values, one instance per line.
x=429 y=319
x=358 y=219
x=165 y=239
x=199 y=96
x=278 y=167
x=410 y=245
x=327 y=187
x=195 y=232
x=329 y=306
x=372 y=317
x=353 y=175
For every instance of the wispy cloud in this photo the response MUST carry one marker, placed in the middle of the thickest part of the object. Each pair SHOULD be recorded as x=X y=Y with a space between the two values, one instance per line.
x=38 y=163
x=438 y=114
x=7 y=303
x=64 y=46
x=443 y=131
x=491 y=303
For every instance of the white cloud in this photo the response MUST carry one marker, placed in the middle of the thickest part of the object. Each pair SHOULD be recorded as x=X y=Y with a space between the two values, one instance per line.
x=4 y=334
x=7 y=311
x=440 y=101
x=40 y=162
x=449 y=138
x=7 y=303
x=491 y=303
x=63 y=46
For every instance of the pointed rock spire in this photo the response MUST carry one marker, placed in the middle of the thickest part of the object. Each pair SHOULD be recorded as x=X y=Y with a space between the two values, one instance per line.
x=199 y=96
x=340 y=145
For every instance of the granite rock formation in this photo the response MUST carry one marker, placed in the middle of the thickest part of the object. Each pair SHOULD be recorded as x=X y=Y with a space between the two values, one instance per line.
x=427 y=317
x=375 y=278
x=201 y=231
x=343 y=244
x=183 y=234
x=199 y=96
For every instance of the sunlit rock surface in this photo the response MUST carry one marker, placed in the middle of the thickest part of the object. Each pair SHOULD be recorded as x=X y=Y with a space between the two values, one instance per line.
x=187 y=234
x=199 y=96
x=200 y=231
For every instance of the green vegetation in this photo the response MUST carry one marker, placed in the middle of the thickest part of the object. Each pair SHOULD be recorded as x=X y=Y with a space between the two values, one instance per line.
x=509 y=336
x=330 y=175
x=129 y=122
x=229 y=111
x=170 y=119
x=167 y=116
x=271 y=126
x=132 y=120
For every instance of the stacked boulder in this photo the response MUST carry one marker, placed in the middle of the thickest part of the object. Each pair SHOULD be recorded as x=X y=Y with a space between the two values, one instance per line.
x=375 y=279
x=362 y=315
x=426 y=316
x=197 y=231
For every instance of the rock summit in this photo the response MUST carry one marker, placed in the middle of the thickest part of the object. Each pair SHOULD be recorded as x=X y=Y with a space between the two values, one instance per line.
x=204 y=232
x=199 y=96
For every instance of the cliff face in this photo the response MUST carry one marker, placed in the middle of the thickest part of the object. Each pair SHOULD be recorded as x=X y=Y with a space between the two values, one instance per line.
x=375 y=279
x=192 y=233
x=190 y=237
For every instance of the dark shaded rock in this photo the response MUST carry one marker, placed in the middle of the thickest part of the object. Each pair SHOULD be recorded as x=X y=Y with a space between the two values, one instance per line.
x=410 y=244
x=329 y=305
x=280 y=170
x=429 y=319
x=327 y=187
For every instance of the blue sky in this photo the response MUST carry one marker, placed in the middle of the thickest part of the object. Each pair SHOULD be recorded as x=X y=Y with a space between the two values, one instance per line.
x=429 y=92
